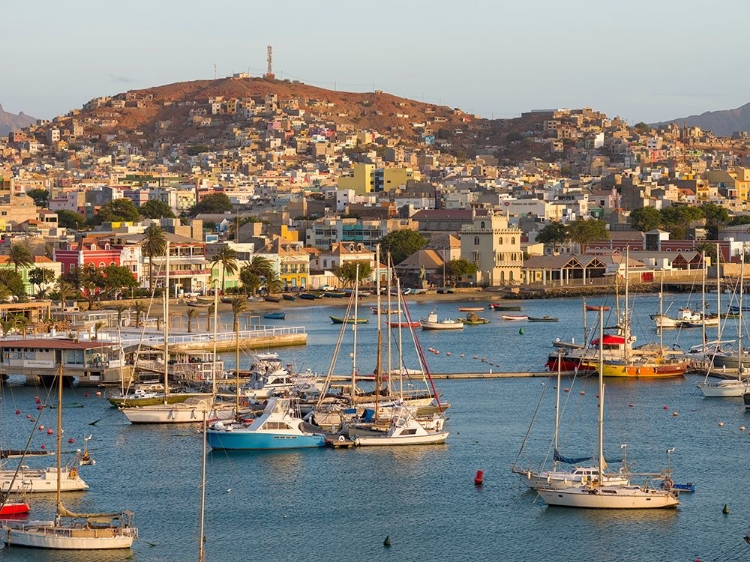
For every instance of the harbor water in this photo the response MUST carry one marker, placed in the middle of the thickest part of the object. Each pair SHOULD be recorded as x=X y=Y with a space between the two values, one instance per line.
x=341 y=504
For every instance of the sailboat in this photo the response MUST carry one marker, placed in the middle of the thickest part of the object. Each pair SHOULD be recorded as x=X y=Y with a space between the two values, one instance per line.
x=602 y=495
x=556 y=478
x=731 y=387
x=632 y=364
x=69 y=530
x=190 y=410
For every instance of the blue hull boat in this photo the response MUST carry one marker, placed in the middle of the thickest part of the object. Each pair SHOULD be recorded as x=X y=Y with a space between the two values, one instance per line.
x=275 y=315
x=277 y=428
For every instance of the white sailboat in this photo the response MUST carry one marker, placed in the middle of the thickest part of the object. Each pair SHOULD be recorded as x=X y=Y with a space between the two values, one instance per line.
x=69 y=530
x=192 y=409
x=601 y=495
x=576 y=476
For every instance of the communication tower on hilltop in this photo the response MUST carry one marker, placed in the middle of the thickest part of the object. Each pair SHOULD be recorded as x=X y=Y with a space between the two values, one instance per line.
x=269 y=57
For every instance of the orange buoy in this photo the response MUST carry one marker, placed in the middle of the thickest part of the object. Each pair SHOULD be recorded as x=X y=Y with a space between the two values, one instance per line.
x=721 y=424
x=566 y=389
x=630 y=405
x=41 y=428
x=583 y=393
x=98 y=393
x=50 y=432
x=448 y=353
x=38 y=400
x=462 y=355
x=675 y=414
x=479 y=478
x=71 y=440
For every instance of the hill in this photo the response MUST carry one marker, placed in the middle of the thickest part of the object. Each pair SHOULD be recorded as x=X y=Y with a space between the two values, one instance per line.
x=721 y=123
x=12 y=122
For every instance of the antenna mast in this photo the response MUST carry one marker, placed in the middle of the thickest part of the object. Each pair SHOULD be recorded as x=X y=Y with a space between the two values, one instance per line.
x=269 y=57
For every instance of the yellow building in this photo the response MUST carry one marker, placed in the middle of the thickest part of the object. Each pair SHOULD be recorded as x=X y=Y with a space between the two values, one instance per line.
x=741 y=182
x=388 y=179
x=362 y=181
x=292 y=261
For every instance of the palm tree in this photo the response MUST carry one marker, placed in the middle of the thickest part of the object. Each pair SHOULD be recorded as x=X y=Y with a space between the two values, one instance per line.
x=252 y=273
x=227 y=259
x=120 y=308
x=21 y=321
x=20 y=256
x=65 y=289
x=192 y=314
x=7 y=324
x=239 y=305
x=139 y=307
x=209 y=314
x=154 y=244
x=98 y=326
x=273 y=282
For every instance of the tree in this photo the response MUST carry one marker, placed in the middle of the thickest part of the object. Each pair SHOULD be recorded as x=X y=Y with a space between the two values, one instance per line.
x=645 y=219
x=20 y=256
x=120 y=309
x=65 y=289
x=226 y=258
x=253 y=273
x=239 y=305
x=40 y=197
x=98 y=326
x=154 y=209
x=585 y=231
x=70 y=220
x=555 y=233
x=716 y=216
x=347 y=272
x=118 y=278
x=119 y=210
x=209 y=313
x=92 y=283
x=401 y=244
x=11 y=284
x=642 y=128
x=192 y=314
x=708 y=250
x=21 y=321
x=154 y=244
x=140 y=308
x=41 y=276
x=461 y=268
x=212 y=204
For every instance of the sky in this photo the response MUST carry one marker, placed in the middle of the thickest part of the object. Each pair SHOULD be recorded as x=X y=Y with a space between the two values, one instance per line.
x=641 y=60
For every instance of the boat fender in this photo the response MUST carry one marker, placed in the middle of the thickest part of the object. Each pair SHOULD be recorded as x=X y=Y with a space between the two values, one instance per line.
x=73 y=473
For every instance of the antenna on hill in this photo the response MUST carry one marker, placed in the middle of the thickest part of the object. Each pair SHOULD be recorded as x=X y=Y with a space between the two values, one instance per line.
x=269 y=58
x=214 y=71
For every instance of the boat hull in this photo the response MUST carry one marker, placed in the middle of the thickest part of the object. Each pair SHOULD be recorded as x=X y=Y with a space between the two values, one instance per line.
x=664 y=370
x=724 y=389
x=514 y=317
x=13 y=508
x=435 y=438
x=562 y=480
x=441 y=326
x=41 y=481
x=57 y=538
x=338 y=320
x=177 y=413
x=176 y=398
x=239 y=440
x=609 y=497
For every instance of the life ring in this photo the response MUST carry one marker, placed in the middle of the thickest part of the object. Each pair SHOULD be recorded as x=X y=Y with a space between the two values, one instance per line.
x=342 y=438
x=668 y=483
x=73 y=473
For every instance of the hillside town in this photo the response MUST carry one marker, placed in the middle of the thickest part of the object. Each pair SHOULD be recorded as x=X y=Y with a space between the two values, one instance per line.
x=303 y=186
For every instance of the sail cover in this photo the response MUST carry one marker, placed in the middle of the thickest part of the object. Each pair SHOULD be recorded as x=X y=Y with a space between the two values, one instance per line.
x=572 y=460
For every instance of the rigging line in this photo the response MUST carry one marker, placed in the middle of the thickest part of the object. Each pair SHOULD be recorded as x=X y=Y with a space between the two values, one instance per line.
x=531 y=425
x=337 y=348
x=420 y=351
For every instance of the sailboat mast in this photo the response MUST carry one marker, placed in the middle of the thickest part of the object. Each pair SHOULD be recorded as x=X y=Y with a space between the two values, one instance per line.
x=718 y=293
x=601 y=394
x=59 y=428
x=627 y=310
x=585 y=328
x=216 y=336
x=166 y=323
x=661 y=314
x=703 y=301
x=378 y=364
x=400 y=343
x=201 y=535
x=557 y=402
x=388 y=320
x=739 y=317
x=354 y=329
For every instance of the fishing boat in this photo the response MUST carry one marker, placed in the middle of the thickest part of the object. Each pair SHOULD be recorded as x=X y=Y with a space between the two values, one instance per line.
x=414 y=324
x=275 y=315
x=543 y=319
x=335 y=294
x=198 y=304
x=515 y=317
x=594 y=307
x=432 y=323
x=279 y=427
x=504 y=307
x=472 y=319
x=470 y=308
x=600 y=494
x=69 y=530
x=383 y=310
x=13 y=507
x=348 y=320
x=270 y=298
x=309 y=296
x=404 y=429
x=288 y=297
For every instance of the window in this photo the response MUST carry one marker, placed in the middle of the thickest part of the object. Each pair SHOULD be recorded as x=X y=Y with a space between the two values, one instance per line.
x=481 y=225
x=500 y=240
x=476 y=240
x=513 y=240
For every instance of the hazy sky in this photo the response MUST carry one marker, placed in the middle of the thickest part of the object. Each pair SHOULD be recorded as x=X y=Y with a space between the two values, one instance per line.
x=643 y=60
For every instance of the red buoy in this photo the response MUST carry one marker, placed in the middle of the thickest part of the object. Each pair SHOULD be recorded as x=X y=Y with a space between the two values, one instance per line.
x=71 y=440
x=666 y=407
x=479 y=478
x=86 y=394
x=50 y=432
x=18 y=412
x=38 y=400
x=44 y=446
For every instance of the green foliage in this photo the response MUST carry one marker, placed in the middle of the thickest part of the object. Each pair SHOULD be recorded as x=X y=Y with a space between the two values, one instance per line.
x=20 y=256
x=119 y=210
x=457 y=269
x=70 y=220
x=739 y=219
x=41 y=276
x=585 y=231
x=198 y=149
x=118 y=278
x=154 y=209
x=40 y=197
x=642 y=128
x=554 y=233
x=227 y=259
x=154 y=244
x=645 y=219
x=11 y=284
x=513 y=137
x=211 y=204
x=347 y=272
x=401 y=244
x=254 y=273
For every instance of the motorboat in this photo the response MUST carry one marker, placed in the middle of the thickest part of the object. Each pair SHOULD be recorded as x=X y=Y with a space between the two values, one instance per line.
x=432 y=323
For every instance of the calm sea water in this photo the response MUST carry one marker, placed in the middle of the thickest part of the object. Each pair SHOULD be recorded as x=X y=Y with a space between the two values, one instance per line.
x=340 y=505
